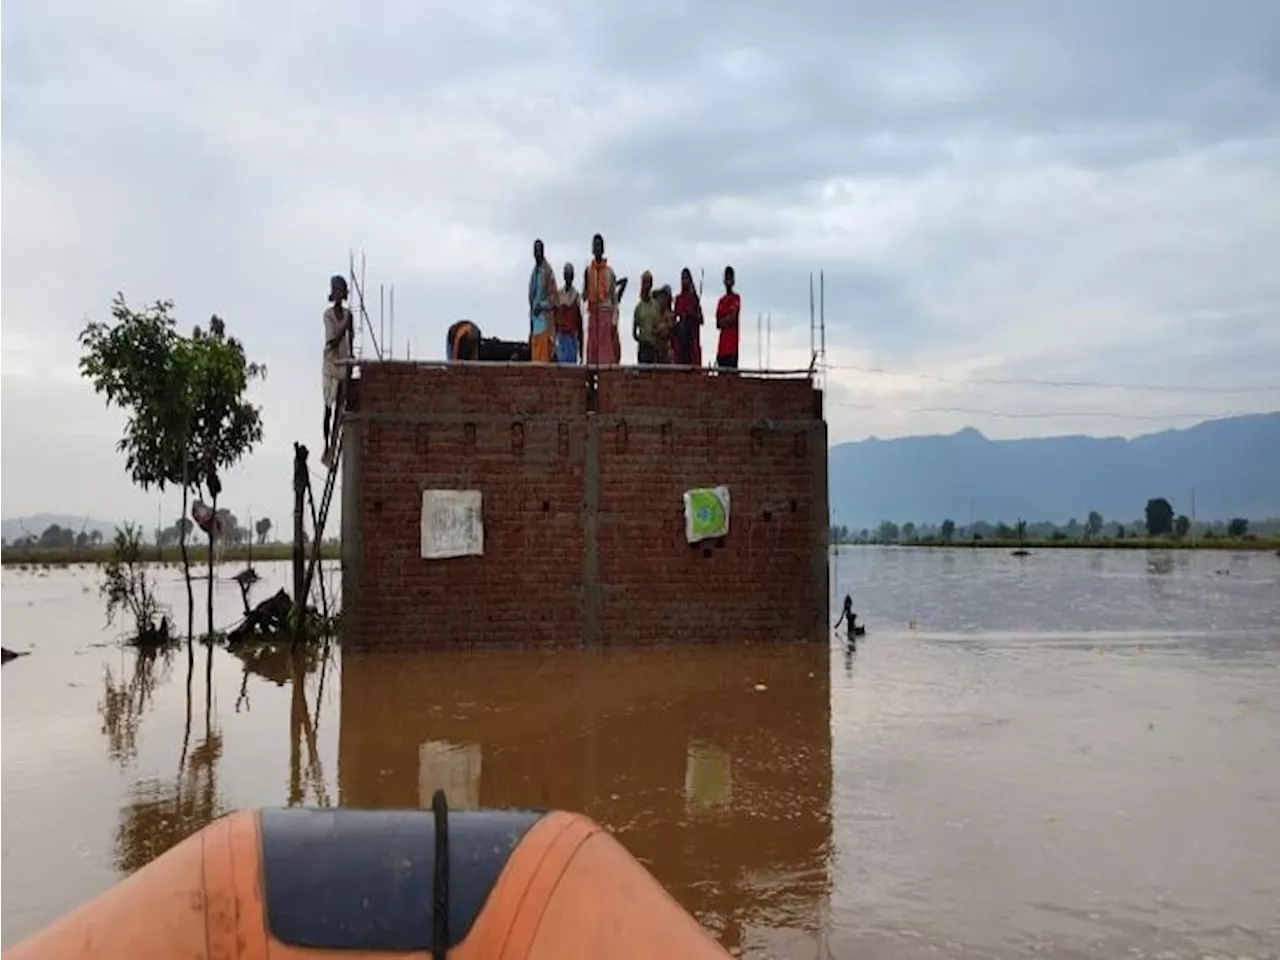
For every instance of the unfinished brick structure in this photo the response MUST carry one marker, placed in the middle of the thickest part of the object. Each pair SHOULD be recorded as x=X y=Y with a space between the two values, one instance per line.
x=582 y=474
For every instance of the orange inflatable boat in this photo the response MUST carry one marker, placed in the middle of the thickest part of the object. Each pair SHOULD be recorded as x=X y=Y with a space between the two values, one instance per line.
x=361 y=884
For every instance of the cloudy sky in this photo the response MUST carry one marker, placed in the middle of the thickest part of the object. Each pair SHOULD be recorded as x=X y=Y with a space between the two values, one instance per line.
x=1083 y=191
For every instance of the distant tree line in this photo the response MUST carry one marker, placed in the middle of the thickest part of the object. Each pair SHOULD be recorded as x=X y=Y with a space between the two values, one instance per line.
x=229 y=525
x=1159 y=521
x=57 y=537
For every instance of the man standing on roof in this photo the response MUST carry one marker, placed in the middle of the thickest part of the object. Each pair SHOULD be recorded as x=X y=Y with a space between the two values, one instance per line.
x=338 y=332
x=542 y=301
x=569 y=320
x=728 y=311
x=646 y=325
x=600 y=287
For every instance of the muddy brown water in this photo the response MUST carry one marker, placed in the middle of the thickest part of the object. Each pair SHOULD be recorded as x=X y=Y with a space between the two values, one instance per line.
x=1076 y=754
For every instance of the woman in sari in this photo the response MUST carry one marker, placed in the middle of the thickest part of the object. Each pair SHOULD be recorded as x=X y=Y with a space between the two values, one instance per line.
x=688 y=310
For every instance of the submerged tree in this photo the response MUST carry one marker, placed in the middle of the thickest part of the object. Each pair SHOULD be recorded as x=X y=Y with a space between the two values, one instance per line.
x=139 y=363
x=127 y=587
x=225 y=425
x=184 y=402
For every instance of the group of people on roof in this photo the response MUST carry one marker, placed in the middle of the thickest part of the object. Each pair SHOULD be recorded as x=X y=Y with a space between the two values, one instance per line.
x=562 y=320
x=667 y=329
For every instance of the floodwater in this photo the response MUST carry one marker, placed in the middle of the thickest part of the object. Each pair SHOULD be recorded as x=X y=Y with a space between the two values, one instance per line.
x=1075 y=754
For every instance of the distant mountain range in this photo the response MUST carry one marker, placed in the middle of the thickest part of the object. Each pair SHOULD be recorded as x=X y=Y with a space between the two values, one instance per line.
x=1233 y=464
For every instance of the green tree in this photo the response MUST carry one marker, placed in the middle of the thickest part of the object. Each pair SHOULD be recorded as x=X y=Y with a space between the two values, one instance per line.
x=1181 y=526
x=888 y=532
x=1093 y=524
x=126 y=586
x=57 y=537
x=948 y=531
x=140 y=364
x=1004 y=531
x=1237 y=528
x=262 y=528
x=1159 y=517
x=229 y=526
x=909 y=532
x=225 y=426
x=186 y=418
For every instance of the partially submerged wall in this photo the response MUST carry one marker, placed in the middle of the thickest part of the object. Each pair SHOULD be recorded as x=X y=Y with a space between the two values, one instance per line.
x=581 y=476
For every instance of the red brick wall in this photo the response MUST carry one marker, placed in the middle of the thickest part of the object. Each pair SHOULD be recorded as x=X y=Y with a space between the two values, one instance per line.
x=582 y=476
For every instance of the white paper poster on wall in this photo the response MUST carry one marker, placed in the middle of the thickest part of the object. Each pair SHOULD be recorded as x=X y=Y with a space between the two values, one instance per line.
x=452 y=525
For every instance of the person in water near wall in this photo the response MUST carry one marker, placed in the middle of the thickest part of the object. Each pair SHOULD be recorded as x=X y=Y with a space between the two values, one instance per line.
x=728 y=311
x=337 y=349
x=600 y=287
x=569 y=320
x=543 y=297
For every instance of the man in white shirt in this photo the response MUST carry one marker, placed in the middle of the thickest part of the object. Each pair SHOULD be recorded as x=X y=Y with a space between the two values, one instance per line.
x=338 y=334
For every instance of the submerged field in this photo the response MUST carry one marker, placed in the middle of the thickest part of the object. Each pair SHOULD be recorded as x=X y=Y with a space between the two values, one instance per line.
x=1071 y=754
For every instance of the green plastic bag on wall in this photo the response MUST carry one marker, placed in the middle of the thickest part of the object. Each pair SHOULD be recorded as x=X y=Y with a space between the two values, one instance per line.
x=706 y=513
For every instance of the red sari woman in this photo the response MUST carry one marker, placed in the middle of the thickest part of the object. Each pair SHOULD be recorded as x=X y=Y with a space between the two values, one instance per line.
x=688 y=332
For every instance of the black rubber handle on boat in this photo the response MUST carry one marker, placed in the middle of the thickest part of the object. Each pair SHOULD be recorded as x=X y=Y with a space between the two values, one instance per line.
x=440 y=905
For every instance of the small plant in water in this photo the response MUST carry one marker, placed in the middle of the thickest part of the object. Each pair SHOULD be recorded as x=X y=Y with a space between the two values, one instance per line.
x=128 y=587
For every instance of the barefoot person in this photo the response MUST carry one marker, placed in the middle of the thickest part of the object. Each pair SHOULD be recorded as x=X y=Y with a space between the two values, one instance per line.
x=688 y=322
x=542 y=302
x=337 y=349
x=728 y=311
x=600 y=288
x=569 y=320
x=646 y=322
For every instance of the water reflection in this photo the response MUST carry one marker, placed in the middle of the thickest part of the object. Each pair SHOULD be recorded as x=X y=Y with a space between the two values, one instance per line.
x=306 y=785
x=125 y=700
x=161 y=812
x=712 y=766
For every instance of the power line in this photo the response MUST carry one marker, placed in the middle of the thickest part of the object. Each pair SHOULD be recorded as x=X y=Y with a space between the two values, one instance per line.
x=1064 y=384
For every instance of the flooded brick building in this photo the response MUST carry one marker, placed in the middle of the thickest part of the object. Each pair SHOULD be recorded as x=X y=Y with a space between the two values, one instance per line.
x=575 y=482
